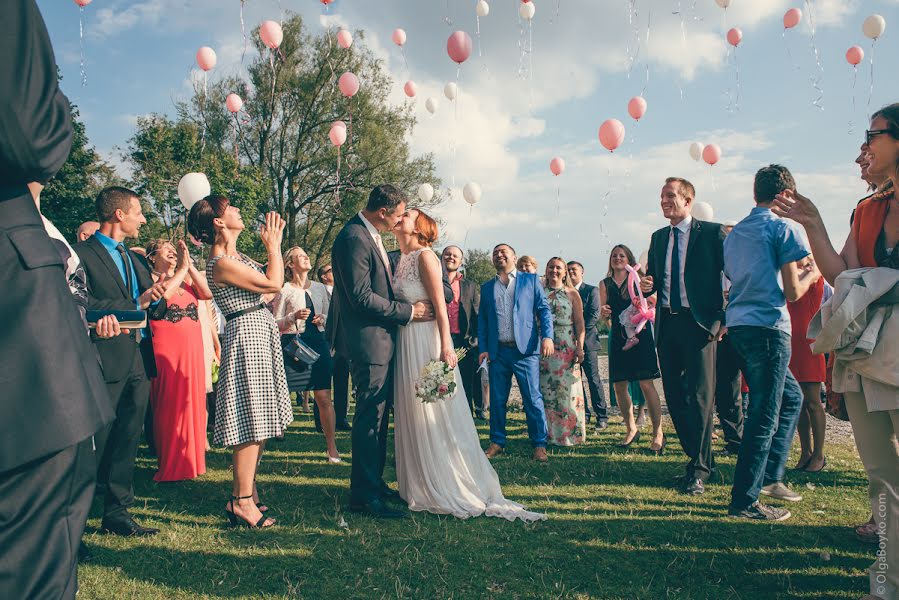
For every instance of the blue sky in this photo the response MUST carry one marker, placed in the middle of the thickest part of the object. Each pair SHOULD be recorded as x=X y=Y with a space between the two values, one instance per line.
x=512 y=121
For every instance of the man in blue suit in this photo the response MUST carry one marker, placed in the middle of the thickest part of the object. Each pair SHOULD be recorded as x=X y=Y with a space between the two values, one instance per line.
x=515 y=327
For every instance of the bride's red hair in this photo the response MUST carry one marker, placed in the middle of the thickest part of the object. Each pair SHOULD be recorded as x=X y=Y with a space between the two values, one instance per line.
x=427 y=228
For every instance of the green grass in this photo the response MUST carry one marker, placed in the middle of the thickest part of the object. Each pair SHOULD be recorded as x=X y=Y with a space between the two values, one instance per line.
x=615 y=530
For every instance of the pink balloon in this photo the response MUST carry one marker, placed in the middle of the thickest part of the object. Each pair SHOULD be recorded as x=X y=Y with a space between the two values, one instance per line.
x=344 y=38
x=233 y=103
x=734 y=36
x=409 y=88
x=711 y=153
x=792 y=18
x=855 y=55
x=338 y=136
x=611 y=134
x=349 y=84
x=458 y=46
x=82 y=3
x=338 y=124
x=326 y=2
x=271 y=34
x=206 y=58
x=637 y=107
x=557 y=166
x=399 y=37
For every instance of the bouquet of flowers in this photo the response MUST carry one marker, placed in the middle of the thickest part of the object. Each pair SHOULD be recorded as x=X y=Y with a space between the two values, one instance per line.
x=437 y=380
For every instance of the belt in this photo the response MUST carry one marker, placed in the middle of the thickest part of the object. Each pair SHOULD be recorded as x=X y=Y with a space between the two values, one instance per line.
x=246 y=311
x=508 y=344
x=684 y=310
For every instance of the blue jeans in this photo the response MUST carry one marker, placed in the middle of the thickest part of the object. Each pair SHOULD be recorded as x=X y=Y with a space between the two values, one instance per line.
x=775 y=401
x=509 y=361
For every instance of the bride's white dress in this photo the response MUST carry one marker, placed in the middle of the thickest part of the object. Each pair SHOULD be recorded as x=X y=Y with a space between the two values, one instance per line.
x=439 y=462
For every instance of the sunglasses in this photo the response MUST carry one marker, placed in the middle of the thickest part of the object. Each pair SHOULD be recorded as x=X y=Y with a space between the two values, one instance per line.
x=872 y=133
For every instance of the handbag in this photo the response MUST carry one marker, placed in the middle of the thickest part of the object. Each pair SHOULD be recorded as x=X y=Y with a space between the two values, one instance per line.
x=300 y=351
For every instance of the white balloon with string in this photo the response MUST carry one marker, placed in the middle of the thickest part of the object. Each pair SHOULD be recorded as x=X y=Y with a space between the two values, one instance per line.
x=471 y=193
x=192 y=188
x=873 y=27
x=481 y=9
x=81 y=4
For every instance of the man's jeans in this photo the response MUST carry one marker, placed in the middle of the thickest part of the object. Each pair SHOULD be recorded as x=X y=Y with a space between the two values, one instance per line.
x=775 y=401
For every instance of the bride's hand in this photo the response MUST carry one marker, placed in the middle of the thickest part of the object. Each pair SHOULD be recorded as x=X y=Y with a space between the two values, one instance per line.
x=448 y=355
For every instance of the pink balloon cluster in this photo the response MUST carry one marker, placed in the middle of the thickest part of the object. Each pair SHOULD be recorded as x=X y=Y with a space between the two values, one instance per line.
x=410 y=89
x=271 y=34
x=82 y=3
x=711 y=154
x=855 y=55
x=734 y=36
x=557 y=166
x=611 y=134
x=399 y=37
x=348 y=84
x=337 y=135
x=206 y=58
x=636 y=108
x=233 y=103
x=792 y=18
x=458 y=46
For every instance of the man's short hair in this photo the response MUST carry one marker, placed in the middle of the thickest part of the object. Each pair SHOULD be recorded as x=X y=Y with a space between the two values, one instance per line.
x=385 y=196
x=686 y=188
x=572 y=263
x=461 y=251
x=509 y=246
x=111 y=199
x=322 y=270
x=771 y=181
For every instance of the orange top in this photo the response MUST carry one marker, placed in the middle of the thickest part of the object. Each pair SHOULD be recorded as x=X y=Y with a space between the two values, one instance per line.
x=869 y=218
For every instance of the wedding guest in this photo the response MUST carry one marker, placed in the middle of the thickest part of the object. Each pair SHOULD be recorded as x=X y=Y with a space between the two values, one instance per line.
x=527 y=264
x=764 y=260
x=590 y=298
x=728 y=383
x=809 y=371
x=326 y=277
x=86 y=230
x=252 y=399
x=463 y=322
x=513 y=307
x=178 y=392
x=636 y=364
x=301 y=309
x=685 y=265
x=874 y=413
x=560 y=376
x=119 y=279
x=212 y=357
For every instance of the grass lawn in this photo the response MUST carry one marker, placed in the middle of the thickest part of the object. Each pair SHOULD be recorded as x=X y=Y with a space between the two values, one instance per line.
x=615 y=530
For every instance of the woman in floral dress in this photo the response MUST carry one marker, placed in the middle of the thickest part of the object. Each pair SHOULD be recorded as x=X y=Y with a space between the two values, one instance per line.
x=560 y=377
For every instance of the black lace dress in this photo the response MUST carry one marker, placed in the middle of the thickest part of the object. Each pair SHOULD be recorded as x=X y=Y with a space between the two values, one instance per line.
x=639 y=362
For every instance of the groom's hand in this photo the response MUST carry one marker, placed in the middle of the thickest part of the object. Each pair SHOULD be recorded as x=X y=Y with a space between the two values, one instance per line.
x=482 y=357
x=547 y=348
x=422 y=311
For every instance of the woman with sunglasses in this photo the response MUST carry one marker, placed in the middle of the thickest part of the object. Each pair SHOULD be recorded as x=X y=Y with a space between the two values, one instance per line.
x=874 y=412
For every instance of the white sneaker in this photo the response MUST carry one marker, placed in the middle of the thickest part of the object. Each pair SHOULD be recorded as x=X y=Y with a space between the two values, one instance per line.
x=781 y=492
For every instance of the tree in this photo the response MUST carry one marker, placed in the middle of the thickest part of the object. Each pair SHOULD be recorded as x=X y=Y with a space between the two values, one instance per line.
x=478 y=266
x=68 y=198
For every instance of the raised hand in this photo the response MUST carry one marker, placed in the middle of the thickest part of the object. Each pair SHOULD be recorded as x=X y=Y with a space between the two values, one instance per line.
x=273 y=231
x=793 y=205
x=184 y=260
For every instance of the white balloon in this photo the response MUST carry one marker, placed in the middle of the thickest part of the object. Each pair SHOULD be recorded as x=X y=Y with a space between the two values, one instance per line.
x=703 y=211
x=425 y=192
x=526 y=10
x=193 y=187
x=431 y=105
x=482 y=9
x=471 y=192
x=696 y=150
x=450 y=90
x=874 y=26
x=723 y=3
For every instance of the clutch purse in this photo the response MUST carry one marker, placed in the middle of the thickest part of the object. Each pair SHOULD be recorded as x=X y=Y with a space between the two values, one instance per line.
x=298 y=350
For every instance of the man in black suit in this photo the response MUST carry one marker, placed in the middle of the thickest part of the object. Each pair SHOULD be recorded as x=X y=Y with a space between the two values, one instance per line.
x=54 y=400
x=462 y=308
x=119 y=279
x=686 y=262
x=362 y=326
x=590 y=366
x=341 y=367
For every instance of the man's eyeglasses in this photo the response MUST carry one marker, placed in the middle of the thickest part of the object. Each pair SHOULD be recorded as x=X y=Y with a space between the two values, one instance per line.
x=872 y=133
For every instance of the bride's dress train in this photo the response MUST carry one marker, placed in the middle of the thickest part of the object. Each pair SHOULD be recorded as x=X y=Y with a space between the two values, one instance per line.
x=439 y=462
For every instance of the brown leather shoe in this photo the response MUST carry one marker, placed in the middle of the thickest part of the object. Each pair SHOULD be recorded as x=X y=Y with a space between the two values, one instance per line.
x=493 y=450
x=540 y=455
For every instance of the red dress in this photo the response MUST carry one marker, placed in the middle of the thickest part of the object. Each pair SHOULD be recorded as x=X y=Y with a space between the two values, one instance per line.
x=805 y=366
x=178 y=392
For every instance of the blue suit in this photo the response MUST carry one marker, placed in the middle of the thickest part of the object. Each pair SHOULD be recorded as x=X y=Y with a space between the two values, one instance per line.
x=532 y=323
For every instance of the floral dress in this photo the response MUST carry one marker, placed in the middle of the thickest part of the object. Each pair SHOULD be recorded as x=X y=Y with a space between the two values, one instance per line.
x=560 y=378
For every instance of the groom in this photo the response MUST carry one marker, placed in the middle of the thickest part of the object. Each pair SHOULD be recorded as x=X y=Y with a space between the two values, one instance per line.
x=362 y=326
x=513 y=307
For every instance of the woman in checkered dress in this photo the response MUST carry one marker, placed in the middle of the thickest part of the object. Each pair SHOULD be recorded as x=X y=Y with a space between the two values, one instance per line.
x=252 y=399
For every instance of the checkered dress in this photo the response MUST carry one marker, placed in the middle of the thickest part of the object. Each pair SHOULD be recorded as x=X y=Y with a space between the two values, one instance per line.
x=252 y=402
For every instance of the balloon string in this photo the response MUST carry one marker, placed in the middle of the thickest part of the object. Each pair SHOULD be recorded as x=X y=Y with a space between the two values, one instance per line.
x=468 y=226
x=558 y=10
x=337 y=188
x=478 y=33
x=819 y=76
x=405 y=63
x=852 y=112
x=559 y=220
x=871 y=90
x=236 y=147
x=648 y=30
x=81 y=42
x=243 y=31
x=447 y=19
x=330 y=63
x=271 y=61
x=530 y=66
x=632 y=53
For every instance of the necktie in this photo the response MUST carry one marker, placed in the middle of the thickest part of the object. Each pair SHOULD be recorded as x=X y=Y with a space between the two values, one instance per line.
x=383 y=250
x=129 y=279
x=674 y=299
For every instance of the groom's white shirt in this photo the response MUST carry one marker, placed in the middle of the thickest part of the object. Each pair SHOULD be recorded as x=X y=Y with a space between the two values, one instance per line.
x=504 y=297
x=376 y=236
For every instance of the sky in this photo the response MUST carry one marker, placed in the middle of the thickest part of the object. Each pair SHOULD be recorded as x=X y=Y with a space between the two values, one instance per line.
x=534 y=91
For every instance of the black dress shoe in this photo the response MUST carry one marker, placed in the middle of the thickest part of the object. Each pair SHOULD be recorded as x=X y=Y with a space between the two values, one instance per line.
x=693 y=487
x=84 y=554
x=389 y=495
x=343 y=426
x=127 y=527
x=479 y=415
x=377 y=508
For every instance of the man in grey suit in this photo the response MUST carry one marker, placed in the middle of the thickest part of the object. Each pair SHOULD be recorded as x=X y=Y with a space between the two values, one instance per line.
x=362 y=327
x=590 y=366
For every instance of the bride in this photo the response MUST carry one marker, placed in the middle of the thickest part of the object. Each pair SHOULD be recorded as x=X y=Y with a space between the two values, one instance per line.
x=439 y=462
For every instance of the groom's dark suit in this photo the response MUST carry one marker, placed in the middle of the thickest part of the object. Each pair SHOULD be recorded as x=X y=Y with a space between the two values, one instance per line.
x=362 y=326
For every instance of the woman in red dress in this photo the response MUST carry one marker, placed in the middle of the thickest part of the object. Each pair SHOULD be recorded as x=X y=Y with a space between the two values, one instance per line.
x=809 y=371
x=178 y=392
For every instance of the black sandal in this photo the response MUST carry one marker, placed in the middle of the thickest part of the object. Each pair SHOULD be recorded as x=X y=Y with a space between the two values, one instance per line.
x=237 y=521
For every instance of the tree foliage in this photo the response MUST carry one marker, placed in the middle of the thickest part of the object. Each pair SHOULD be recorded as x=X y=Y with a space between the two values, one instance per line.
x=478 y=266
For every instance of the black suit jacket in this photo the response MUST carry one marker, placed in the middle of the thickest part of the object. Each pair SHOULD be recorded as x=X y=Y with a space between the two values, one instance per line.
x=703 y=268
x=107 y=291
x=590 y=299
x=364 y=312
x=469 y=303
x=53 y=394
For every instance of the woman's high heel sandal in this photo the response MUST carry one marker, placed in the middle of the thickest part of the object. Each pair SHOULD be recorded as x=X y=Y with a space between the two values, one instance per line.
x=237 y=521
